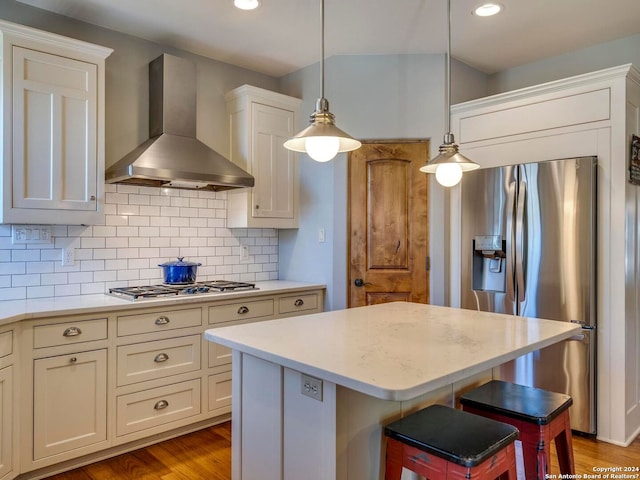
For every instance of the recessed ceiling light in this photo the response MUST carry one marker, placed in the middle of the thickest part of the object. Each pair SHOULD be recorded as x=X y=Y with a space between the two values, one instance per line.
x=247 y=4
x=488 y=9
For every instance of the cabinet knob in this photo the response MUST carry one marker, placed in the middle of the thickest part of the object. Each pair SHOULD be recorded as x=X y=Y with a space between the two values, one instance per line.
x=243 y=309
x=92 y=198
x=73 y=359
x=257 y=207
x=161 y=357
x=71 y=332
x=160 y=405
x=162 y=320
x=299 y=302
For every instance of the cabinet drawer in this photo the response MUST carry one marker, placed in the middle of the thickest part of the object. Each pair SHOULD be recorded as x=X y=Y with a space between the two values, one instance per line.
x=220 y=392
x=158 y=321
x=69 y=333
x=240 y=311
x=298 y=303
x=6 y=343
x=146 y=361
x=158 y=406
x=218 y=355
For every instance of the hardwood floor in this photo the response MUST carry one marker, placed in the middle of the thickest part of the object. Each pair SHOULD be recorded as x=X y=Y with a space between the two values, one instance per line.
x=207 y=455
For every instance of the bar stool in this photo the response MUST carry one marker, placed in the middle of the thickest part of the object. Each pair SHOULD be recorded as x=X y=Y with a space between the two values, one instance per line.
x=440 y=443
x=540 y=415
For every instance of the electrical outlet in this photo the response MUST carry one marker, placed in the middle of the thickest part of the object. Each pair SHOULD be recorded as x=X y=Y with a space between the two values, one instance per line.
x=312 y=387
x=244 y=254
x=68 y=256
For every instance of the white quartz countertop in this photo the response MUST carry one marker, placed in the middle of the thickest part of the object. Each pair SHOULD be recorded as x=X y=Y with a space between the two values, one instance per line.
x=15 y=310
x=393 y=351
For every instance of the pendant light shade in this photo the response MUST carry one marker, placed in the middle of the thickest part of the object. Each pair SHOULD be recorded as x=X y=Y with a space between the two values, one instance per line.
x=450 y=164
x=322 y=140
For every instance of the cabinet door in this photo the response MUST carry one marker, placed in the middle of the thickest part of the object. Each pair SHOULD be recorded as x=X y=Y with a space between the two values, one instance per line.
x=6 y=419
x=54 y=132
x=69 y=402
x=274 y=166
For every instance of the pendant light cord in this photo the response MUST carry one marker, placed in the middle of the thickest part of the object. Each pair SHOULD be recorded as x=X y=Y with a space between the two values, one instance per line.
x=322 y=48
x=448 y=69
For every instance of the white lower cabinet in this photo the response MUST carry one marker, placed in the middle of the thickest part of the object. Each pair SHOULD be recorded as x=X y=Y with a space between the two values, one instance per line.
x=108 y=382
x=220 y=392
x=158 y=406
x=69 y=403
x=6 y=422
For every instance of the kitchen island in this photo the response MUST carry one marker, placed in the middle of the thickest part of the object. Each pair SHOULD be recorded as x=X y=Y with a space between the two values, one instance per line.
x=311 y=394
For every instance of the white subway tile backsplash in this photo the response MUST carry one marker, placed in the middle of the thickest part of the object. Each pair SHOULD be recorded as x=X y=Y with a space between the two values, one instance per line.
x=13 y=293
x=116 y=220
x=80 y=277
x=104 y=231
x=54 y=278
x=144 y=227
x=40 y=291
x=116 y=242
x=13 y=268
x=67 y=290
x=40 y=267
x=29 y=280
x=138 y=221
x=128 y=209
x=169 y=211
x=104 y=253
x=149 y=211
x=92 y=242
x=25 y=255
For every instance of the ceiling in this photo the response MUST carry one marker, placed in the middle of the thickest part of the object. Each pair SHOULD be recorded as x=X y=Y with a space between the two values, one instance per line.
x=284 y=35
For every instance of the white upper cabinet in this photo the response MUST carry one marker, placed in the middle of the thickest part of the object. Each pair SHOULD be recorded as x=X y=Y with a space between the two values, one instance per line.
x=53 y=128
x=261 y=121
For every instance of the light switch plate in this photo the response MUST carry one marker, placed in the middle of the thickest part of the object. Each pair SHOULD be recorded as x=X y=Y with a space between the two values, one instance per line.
x=30 y=234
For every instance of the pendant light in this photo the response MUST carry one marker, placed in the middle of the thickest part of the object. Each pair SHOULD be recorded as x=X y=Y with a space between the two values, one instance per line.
x=449 y=164
x=322 y=140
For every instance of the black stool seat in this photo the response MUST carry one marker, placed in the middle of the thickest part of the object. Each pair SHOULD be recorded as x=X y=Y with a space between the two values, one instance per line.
x=456 y=436
x=528 y=404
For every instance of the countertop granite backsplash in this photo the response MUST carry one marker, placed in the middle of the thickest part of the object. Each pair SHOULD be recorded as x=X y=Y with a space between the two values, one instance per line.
x=143 y=227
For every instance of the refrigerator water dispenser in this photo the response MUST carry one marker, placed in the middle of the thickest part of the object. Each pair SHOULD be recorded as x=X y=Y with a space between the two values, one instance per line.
x=488 y=265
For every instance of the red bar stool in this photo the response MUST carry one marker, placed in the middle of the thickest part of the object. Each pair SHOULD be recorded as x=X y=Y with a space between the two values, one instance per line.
x=540 y=415
x=440 y=443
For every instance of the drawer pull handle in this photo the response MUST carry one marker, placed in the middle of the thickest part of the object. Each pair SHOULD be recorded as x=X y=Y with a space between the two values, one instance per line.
x=71 y=332
x=162 y=320
x=161 y=357
x=160 y=405
x=243 y=309
x=73 y=359
x=299 y=302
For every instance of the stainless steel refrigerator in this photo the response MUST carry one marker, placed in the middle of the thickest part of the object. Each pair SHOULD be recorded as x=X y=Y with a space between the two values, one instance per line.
x=529 y=249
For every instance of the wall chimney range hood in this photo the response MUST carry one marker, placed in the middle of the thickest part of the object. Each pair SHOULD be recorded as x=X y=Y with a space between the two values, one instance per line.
x=173 y=156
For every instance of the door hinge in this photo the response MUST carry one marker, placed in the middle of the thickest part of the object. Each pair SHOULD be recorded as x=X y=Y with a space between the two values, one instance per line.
x=428 y=263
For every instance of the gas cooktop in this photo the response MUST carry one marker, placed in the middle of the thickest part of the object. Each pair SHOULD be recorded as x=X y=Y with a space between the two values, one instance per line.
x=198 y=288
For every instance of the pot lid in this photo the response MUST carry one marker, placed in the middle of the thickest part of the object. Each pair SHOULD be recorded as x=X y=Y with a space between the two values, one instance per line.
x=179 y=263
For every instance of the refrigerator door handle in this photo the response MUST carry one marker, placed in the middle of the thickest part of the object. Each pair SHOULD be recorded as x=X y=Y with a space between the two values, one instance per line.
x=510 y=203
x=520 y=283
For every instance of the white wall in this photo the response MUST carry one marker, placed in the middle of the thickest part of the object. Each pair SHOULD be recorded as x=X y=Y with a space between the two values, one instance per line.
x=372 y=97
x=597 y=57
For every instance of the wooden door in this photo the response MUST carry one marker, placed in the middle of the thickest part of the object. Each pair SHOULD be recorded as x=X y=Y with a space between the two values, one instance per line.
x=388 y=223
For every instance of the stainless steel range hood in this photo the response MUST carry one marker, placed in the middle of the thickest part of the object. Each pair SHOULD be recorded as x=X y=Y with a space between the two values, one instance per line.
x=173 y=156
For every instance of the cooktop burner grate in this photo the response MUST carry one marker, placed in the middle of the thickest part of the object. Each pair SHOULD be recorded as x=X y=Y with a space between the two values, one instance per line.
x=198 y=288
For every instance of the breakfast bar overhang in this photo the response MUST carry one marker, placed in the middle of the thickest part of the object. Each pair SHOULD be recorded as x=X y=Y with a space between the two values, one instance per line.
x=311 y=394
